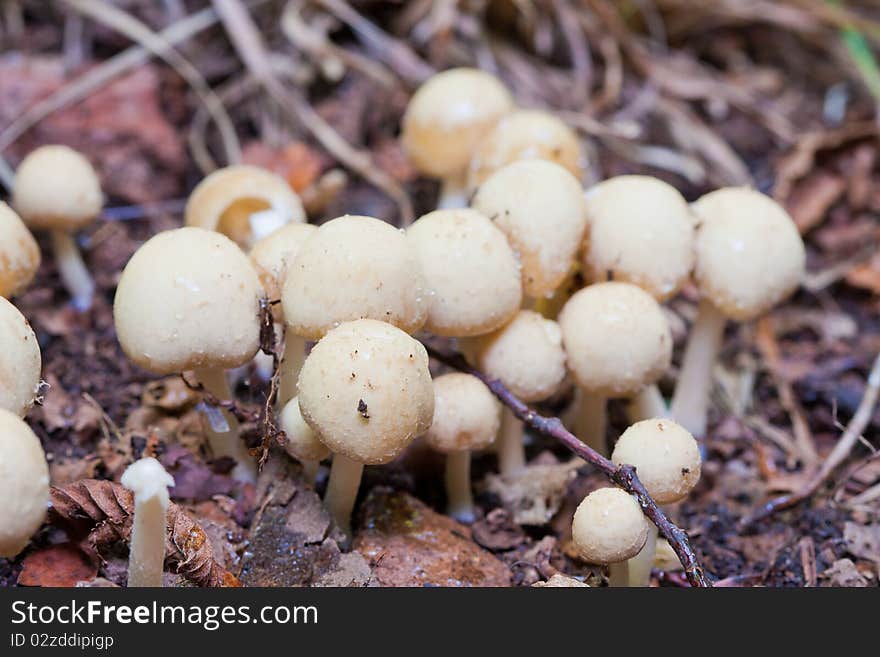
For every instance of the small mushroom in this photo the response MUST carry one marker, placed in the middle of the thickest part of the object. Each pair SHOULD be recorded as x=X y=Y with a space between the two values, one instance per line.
x=749 y=257
x=20 y=361
x=19 y=254
x=466 y=417
x=24 y=484
x=56 y=189
x=189 y=299
x=618 y=344
x=445 y=119
x=302 y=442
x=149 y=482
x=366 y=390
x=245 y=203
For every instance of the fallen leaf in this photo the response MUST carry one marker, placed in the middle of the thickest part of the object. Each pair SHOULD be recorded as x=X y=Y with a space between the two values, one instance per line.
x=62 y=565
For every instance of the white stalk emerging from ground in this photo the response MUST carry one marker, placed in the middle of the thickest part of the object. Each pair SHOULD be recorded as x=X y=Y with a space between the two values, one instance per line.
x=453 y=194
x=74 y=274
x=292 y=359
x=149 y=482
x=511 y=450
x=647 y=404
x=636 y=572
x=342 y=490
x=460 y=500
x=590 y=420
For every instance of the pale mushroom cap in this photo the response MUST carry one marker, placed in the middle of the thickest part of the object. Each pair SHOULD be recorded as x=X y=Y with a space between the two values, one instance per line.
x=20 y=361
x=355 y=268
x=448 y=115
x=24 y=484
x=526 y=135
x=188 y=299
x=366 y=390
x=540 y=207
x=609 y=527
x=19 y=253
x=272 y=256
x=474 y=283
x=302 y=441
x=750 y=255
x=526 y=355
x=56 y=187
x=147 y=479
x=665 y=455
x=466 y=414
x=640 y=231
x=243 y=202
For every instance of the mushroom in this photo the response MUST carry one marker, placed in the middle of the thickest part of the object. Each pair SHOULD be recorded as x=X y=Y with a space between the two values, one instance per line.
x=20 y=361
x=56 y=189
x=19 y=253
x=149 y=482
x=667 y=461
x=245 y=203
x=445 y=119
x=366 y=390
x=540 y=207
x=189 y=299
x=526 y=135
x=466 y=417
x=527 y=356
x=750 y=257
x=24 y=484
x=618 y=344
x=302 y=442
x=609 y=529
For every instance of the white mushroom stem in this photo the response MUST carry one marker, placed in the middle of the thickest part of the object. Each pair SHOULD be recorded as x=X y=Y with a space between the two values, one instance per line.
x=459 y=499
x=342 y=490
x=647 y=404
x=639 y=567
x=72 y=269
x=149 y=482
x=511 y=451
x=590 y=420
x=453 y=194
x=226 y=443
x=690 y=403
x=292 y=360
x=618 y=574
x=310 y=470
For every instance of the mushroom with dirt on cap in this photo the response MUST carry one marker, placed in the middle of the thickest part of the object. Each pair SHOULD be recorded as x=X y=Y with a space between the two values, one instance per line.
x=749 y=257
x=189 y=299
x=302 y=443
x=56 y=189
x=19 y=253
x=20 y=361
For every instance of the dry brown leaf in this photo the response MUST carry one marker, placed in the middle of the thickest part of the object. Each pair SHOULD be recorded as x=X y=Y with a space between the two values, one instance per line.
x=62 y=565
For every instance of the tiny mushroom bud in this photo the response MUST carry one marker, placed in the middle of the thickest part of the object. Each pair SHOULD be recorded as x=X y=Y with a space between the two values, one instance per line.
x=618 y=344
x=446 y=118
x=20 y=361
x=302 y=442
x=149 y=482
x=366 y=390
x=466 y=417
x=19 y=253
x=189 y=299
x=750 y=257
x=56 y=189
x=245 y=203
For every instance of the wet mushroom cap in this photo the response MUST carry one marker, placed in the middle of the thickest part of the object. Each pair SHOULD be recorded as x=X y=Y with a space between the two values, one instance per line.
x=302 y=441
x=24 y=484
x=448 y=115
x=609 y=527
x=355 y=268
x=616 y=338
x=640 y=231
x=750 y=255
x=273 y=254
x=366 y=390
x=19 y=253
x=189 y=298
x=20 y=361
x=466 y=414
x=56 y=187
x=472 y=273
x=665 y=455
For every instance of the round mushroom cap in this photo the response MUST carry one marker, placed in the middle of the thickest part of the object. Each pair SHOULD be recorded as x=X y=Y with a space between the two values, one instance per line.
x=24 y=484
x=189 y=298
x=466 y=414
x=472 y=274
x=366 y=390
x=20 y=361
x=640 y=231
x=244 y=202
x=609 y=527
x=355 y=268
x=540 y=207
x=616 y=337
x=56 y=187
x=302 y=441
x=147 y=479
x=19 y=253
x=750 y=255
x=448 y=115
x=665 y=455
x=272 y=256
x=526 y=355
x=526 y=135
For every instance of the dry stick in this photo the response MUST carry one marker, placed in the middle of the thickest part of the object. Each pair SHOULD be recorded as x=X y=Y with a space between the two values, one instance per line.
x=624 y=475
